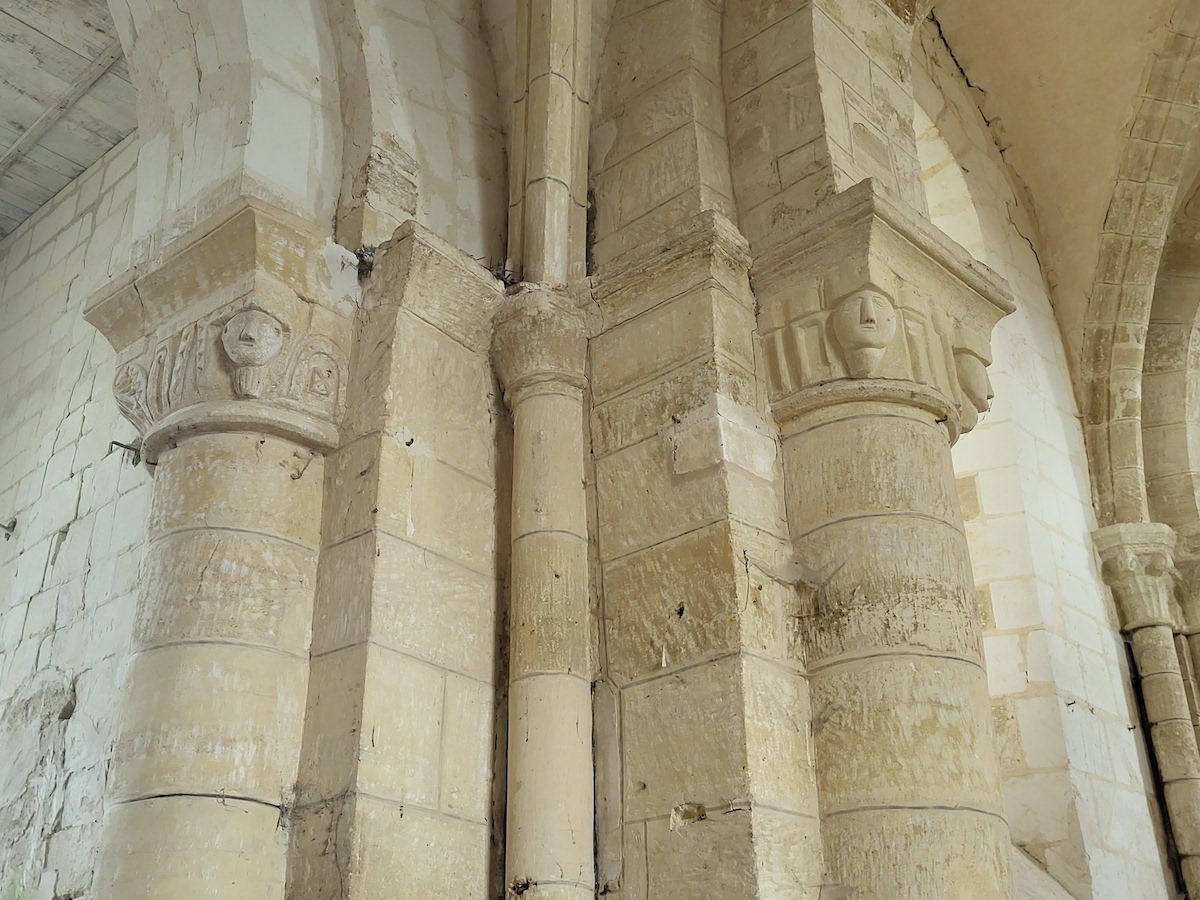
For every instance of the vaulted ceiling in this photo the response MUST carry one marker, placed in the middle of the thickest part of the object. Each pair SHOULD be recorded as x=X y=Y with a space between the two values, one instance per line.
x=1059 y=83
x=65 y=98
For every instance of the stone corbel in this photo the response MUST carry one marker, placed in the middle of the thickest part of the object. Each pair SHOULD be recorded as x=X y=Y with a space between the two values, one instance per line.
x=872 y=302
x=220 y=334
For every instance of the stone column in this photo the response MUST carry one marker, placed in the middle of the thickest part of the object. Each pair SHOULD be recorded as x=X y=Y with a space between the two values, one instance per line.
x=236 y=384
x=876 y=334
x=1138 y=567
x=539 y=351
x=1187 y=562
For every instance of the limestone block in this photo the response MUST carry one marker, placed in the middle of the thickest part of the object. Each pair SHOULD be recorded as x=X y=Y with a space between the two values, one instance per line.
x=644 y=411
x=905 y=472
x=205 y=480
x=661 y=109
x=779 y=752
x=443 y=395
x=448 y=511
x=399 y=755
x=957 y=853
x=700 y=250
x=213 y=719
x=226 y=586
x=1173 y=743
x=790 y=854
x=417 y=853
x=672 y=605
x=922 y=599
x=934 y=751
x=398 y=595
x=374 y=726
x=468 y=739
x=194 y=848
x=548 y=605
x=637 y=488
x=651 y=344
x=683 y=740
x=716 y=854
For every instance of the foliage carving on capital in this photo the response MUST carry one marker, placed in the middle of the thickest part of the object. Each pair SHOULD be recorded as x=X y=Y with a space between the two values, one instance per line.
x=235 y=358
x=539 y=338
x=1138 y=566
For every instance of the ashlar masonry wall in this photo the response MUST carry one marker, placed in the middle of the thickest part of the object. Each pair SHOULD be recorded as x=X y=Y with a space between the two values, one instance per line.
x=1071 y=748
x=68 y=573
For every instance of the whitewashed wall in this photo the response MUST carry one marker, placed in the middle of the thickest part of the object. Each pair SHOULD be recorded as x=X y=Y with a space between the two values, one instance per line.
x=1072 y=753
x=68 y=574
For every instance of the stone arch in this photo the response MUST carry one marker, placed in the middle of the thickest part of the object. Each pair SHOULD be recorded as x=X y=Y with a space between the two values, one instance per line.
x=235 y=100
x=412 y=68
x=1170 y=414
x=1153 y=168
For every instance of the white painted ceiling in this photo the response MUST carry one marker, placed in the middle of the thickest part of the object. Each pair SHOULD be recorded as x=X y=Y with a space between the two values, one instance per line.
x=65 y=98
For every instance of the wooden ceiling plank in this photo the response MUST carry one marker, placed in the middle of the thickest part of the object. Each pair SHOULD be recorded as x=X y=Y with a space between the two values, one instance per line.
x=36 y=65
x=101 y=64
x=85 y=26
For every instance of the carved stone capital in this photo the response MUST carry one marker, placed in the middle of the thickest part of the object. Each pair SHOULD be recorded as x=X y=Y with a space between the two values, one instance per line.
x=221 y=333
x=1138 y=565
x=872 y=302
x=539 y=340
x=1187 y=563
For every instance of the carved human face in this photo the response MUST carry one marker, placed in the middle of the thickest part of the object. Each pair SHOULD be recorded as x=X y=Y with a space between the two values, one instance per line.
x=252 y=338
x=864 y=320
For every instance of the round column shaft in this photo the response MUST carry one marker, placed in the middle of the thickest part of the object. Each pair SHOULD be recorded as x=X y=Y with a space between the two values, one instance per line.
x=910 y=788
x=214 y=698
x=540 y=350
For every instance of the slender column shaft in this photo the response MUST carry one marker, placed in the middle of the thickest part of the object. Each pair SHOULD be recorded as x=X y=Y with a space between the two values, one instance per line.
x=549 y=152
x=214 y=698
x=1139 y=568
x=909 y=783
x=540 y=350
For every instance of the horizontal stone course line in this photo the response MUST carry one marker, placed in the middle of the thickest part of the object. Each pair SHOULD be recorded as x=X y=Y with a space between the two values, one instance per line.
x=812 y=58
x=220 y=642
x=636 y=219
x=543 y=673
x=913 y=807
x=648 y=272
x=538 y=531
x=667 y=540
x=899 y=653
x=679 y=670
x=817 y=426
x=889 y=514
x=375 y=529
x=713 y=353
x=721 y=808
x=690 y=123
x=187 y=529
x=223 y=798
x=380 y=645
x=404 y=805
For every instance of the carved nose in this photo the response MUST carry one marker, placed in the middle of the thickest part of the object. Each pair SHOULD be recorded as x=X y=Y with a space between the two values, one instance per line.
x=867 y=311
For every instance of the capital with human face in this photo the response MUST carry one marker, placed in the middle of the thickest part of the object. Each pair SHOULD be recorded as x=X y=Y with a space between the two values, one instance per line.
x=864 y=324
